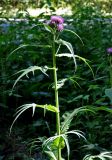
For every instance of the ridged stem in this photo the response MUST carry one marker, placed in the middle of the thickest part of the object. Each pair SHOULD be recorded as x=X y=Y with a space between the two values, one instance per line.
x=56 y=94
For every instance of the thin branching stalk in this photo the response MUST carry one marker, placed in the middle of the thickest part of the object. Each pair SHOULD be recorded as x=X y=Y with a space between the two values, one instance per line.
x=56 y=94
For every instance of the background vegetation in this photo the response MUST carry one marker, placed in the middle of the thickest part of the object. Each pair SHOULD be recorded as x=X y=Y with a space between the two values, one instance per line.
x=91 y=20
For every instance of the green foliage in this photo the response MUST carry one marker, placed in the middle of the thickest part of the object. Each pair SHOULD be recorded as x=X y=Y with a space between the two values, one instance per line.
x=51 y=144
x=90 y=23
x=30 y=69
x=101 y=156
x=108 y=93
x=68 y=117
x=23 y=108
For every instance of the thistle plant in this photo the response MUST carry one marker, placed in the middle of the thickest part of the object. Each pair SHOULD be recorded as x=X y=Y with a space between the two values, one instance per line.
x=53 y=146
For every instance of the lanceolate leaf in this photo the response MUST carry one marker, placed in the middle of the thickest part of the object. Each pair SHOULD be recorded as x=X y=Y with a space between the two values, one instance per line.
x=69 y=116
x=101 y=156
x=77 y=132
x=85 y=61
x=74 y=34
x=64 y=55
x=67 y=145
x=51 y=155
x=104 y=108
x=30 y=69
x=100 y=108
x=75 y=56
x=24 y=107
x=70 y=48
x=24 y=46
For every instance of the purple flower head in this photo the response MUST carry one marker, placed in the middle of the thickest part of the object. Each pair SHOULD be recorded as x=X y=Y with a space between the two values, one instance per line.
x=57 y=19
x=109 y=50
x=57 y=22
x=60 y=27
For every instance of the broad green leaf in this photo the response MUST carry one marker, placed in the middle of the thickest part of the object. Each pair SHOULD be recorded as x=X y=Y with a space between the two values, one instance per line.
x=108 y=93
x=50 y=140
x=48 y=144
x=58 y=142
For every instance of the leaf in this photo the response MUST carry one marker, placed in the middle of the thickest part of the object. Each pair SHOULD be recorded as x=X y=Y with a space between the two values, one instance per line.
x=48 y=107
x=49 y=143
x=51 y=155
x=24 y=107
x=101 y=156
x=74 y=57
x=50 y=140
x=68 y=117
x=54 y=141
x=64 y=55
x=30 y=69
x=104 y=108
x=61 y=83
x=85 y=61
x=48 y=28
x=20 y=111
x=75 y=99
x=58 y=142
x=108 y=93
x=21 y=46
x=74 y=34
x=70 y=48
x=77 y=132
x=67 y=145
x=26 y=45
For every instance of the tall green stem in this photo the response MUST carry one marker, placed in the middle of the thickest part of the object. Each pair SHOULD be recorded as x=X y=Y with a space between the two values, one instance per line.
x=56 y=94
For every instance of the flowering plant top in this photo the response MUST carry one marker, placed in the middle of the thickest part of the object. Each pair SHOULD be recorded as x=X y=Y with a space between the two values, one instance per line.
x=57 y=22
